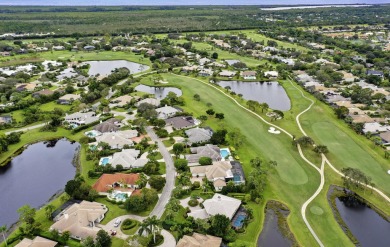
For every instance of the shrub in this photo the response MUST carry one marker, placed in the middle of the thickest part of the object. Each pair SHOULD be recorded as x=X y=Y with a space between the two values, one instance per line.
x=128 y=224
x=193 y=202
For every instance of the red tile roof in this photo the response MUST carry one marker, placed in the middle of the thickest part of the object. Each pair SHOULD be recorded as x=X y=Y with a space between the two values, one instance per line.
x=106 y=180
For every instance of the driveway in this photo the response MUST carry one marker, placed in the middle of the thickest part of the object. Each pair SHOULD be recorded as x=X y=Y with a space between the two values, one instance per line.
x=110 y=225
x=170 y=175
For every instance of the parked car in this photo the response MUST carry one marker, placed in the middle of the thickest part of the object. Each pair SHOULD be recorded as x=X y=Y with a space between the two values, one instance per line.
x=117 y=223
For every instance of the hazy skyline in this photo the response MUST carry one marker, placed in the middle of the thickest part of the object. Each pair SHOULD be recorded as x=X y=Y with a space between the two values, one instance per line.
x=181 y=2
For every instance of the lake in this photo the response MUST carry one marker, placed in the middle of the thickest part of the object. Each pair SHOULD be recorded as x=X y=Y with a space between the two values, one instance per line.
x=159 y=92
x=271 y=93
x=34 y=176
x=271 y=234
x=105 y=67
x=368 y=227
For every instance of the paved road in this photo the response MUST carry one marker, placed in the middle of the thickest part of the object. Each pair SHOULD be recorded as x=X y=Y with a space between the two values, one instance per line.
x=170 y=175
x=25 y=129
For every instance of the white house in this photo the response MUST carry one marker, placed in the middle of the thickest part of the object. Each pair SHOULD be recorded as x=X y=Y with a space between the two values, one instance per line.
x=166 y=112
x=219 y=204
x=80 y=219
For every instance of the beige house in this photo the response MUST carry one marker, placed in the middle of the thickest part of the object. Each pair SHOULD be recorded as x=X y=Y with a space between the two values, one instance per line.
x=199 y=240
x=80 y=219
x=36 y=242
x=68 y=99
x=219 y=204
x=218 y=173
x=117 y=140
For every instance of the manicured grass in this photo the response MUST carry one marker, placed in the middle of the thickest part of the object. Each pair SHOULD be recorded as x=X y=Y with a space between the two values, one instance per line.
x=291 y=174
x=114 y=210
x=73 y=56
x=118 y=242
x=346 y=148
x=51 y=105
x=223 y=55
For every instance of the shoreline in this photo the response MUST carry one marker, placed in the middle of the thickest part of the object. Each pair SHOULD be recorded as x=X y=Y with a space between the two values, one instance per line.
x=338 y=191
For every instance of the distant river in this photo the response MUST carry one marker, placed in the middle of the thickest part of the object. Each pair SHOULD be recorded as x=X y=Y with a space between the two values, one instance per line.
x=181 y=2
x=34 y=176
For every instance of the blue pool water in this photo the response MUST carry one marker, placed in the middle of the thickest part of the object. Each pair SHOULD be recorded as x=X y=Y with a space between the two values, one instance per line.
x=224 y=153
x=105 y=161
x=239 y=221
x=236 y=178
x=121 y=196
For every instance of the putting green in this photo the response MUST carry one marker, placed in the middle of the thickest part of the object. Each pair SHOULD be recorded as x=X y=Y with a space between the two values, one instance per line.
x=316 y=210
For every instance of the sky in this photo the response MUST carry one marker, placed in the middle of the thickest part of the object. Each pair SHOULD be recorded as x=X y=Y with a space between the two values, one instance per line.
x=184 y=2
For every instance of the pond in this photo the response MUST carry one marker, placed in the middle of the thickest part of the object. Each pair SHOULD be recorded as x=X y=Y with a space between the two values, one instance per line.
x=34 y=176
x=272 y=235
x=159 y=92
x=105 y=67
x=263 y=92
x=368 y=227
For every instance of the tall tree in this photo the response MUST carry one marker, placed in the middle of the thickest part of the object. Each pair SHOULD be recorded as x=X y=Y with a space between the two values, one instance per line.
x=150 y=225
x=103 y=239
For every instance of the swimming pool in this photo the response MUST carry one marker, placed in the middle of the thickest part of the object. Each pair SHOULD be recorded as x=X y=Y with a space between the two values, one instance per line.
x=92 y=133
x=119 y=196
x=224 y=152
x=239 y=221
x=104 y=161
x=237 y=178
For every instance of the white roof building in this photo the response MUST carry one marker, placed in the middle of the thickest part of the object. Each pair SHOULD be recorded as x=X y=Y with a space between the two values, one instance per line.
x=151 y=101
x=128 y=159
x=80 y=118
x=80 y=219
x=271 y=74
x=227 y=73
x=117 y=140
x=166 y=112
x=219 y=204
x=375 y=127
x=198 y=135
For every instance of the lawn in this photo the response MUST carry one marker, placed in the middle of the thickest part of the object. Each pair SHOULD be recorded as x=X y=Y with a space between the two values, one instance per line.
x=73 y=56
x=346 y=148
x=291 y=174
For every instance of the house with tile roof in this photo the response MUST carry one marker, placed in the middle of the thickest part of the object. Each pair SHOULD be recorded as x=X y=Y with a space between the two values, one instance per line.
x=37 y=242
x=218 y=173
x=80 y=219
x=81 y=118
x=219 y=204
x=110 y=125
x=117 y=140
x=116 y=181
x=128 y=158
x=199 y=240
x=199 y=135
x=211 y=151
x=166 y=112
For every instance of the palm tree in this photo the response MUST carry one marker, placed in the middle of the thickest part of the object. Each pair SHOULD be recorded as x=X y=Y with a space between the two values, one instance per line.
x=2 y=230
x=151 y=225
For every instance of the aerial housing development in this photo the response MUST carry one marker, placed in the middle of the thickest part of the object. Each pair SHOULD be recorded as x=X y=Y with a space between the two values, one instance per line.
x=190 y=126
